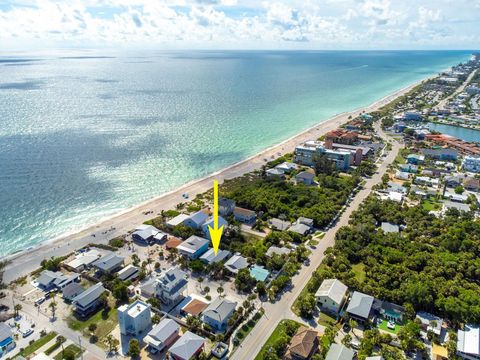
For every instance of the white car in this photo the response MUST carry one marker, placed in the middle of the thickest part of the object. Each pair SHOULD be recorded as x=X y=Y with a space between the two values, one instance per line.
x=27 y=333
x=39 y=301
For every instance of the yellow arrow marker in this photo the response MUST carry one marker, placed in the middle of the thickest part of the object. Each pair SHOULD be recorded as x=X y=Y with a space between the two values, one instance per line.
x=215 y=232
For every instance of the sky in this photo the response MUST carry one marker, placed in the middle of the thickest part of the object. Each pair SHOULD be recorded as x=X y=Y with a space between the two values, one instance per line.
x=240 y=24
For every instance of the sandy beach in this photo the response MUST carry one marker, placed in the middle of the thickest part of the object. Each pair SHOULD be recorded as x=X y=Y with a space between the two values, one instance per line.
x=22 y=263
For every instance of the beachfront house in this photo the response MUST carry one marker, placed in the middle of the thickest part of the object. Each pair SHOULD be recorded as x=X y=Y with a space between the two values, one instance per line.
x=189 y=346
x=109 y=263
x=148 y=234
x=193 y=247
x=177 y=220
x=89 y=300
x=164 y=334
x=218 y=312
x=244 y=215
x=275 y=173
x=49 y=280
x=225 y=206
x=287 y=167
x=83 y=260
x=134 y=319
x=171 y=286
x=196 y=220
x=331 y=295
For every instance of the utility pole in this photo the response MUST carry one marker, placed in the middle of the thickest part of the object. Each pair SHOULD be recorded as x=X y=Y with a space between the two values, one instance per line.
x=80 y=344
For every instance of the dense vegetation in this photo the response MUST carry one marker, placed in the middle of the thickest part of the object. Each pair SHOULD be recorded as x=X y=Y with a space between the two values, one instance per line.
x=274 y=198
x=432 y=265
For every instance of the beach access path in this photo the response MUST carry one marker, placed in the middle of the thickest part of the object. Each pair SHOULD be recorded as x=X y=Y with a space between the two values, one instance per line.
x=275 y=312
x=25 y=262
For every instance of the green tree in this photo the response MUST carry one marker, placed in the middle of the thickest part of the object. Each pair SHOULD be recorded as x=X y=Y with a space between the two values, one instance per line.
x=134 y=348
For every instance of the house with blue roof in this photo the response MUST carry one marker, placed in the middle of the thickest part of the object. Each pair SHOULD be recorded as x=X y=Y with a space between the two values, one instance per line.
x=259 y=273
x=7 y=343
x=209 y=222
x=196 y=220
x=415 y=159
x=193 y=247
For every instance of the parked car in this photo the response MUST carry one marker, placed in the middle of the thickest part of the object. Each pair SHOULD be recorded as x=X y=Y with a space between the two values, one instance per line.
x=39 y=301
x=27 y=333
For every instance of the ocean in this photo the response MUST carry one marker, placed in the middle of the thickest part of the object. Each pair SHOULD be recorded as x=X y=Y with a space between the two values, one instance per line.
x=85 y=134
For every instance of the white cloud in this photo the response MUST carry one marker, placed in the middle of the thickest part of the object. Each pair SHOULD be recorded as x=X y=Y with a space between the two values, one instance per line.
x=241 y=23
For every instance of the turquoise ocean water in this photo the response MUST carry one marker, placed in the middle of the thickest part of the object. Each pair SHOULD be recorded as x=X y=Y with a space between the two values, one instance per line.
x=84 y=136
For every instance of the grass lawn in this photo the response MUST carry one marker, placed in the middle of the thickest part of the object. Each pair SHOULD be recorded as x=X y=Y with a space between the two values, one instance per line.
x=277 y=333
x=430 y=205
x=359 y=270
x=30 y=349
x=383 y=326
x=72 y=348
x=105 y=324
x=326 y=320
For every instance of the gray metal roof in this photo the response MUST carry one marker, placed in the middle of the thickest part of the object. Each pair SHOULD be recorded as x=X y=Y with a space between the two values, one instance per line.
x=108 y=262
x=5 y=332
x=339 y=352
x=163 y=330
x=72 y=290
x=89 y=295
x=279 y=224
x=187 y=345
x=301 y=229
x=333 y=289
x=235 y=263
x=193 y=243
x=360 y=304
x=390 y=228
x=210 y=256
x=127 y=272
x=220 y=309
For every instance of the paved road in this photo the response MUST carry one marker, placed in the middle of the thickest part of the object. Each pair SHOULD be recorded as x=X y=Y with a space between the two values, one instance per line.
x=43 y=321
x=281 y=309
x=25 y=262
x=442 y=103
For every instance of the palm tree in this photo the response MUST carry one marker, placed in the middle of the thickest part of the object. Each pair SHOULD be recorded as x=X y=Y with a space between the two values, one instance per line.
x=220 y=290
x=17 y=309
x=112 y=343
x=353 y=324
x=53 y=307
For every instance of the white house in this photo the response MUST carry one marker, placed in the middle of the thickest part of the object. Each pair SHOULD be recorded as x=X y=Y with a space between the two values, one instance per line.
x=177 y=220
x=331 y=295
x=135 y=319
x=468 y=342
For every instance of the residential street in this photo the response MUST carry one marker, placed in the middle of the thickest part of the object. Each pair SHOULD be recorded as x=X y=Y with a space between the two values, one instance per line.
x=275 y=312
x=442 y=103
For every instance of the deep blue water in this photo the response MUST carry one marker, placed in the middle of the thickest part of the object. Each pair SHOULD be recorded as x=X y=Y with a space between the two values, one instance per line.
x=85 y=134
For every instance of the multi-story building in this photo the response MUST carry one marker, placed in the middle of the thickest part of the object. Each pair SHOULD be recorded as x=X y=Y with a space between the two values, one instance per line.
x=134 y=319
x=171 y=285
x=305 y=153
x=471 y=163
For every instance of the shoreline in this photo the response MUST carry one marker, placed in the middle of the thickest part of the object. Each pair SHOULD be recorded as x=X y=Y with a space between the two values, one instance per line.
x=121 y=222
